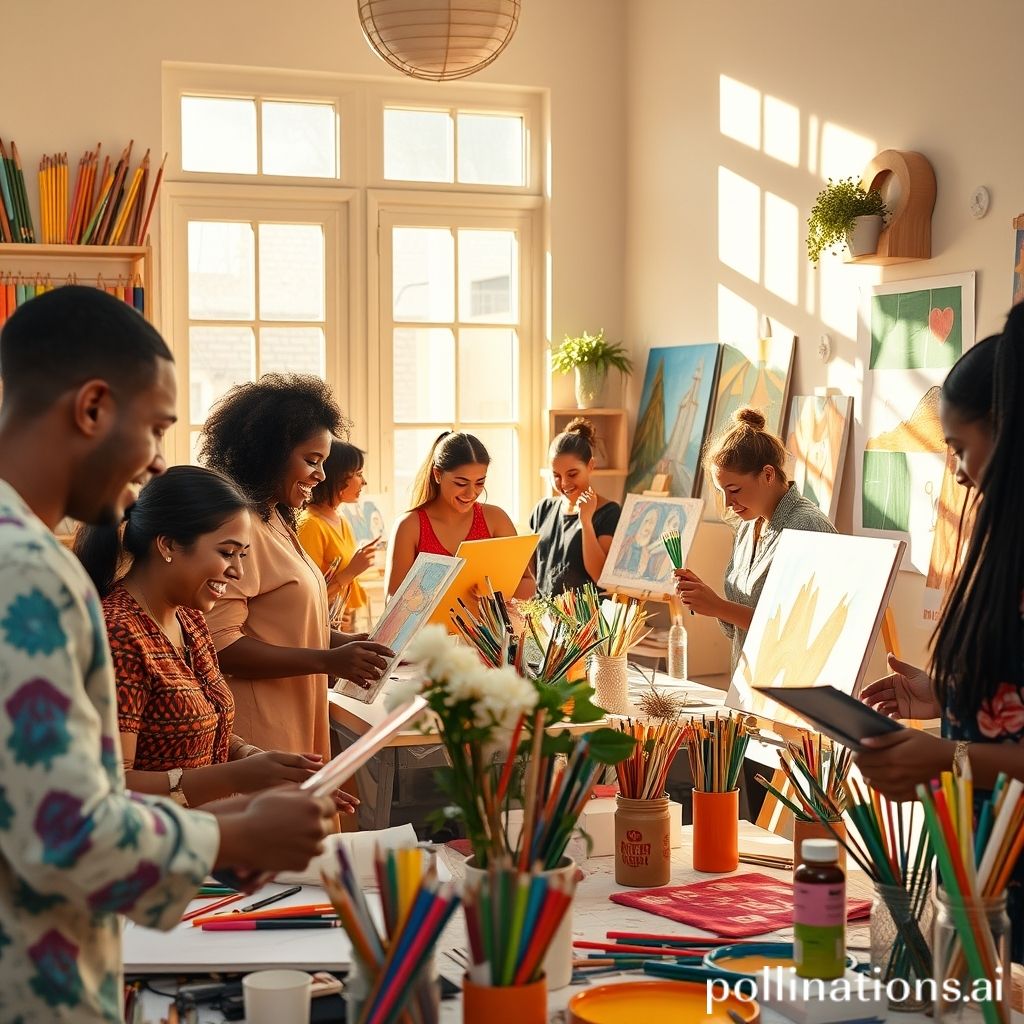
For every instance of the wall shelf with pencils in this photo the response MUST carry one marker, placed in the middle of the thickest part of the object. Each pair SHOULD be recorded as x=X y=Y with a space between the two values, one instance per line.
x=123 y=270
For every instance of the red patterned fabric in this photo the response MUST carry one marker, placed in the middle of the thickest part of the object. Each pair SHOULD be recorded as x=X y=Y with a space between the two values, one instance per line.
x=182 y=716
x=430 y=544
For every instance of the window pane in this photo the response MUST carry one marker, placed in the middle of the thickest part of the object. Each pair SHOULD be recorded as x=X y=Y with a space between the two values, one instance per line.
x=502 y=445
x=293 y=350
x=424 y=375
x=291 y=272
x=221 y=271
x=300 y=138
x=488 y=374
x=218 y=134
x=412 y=446
x=423 y=265
x=418 y=145
x=491 y=149
x=488 y=276
x=218 y=358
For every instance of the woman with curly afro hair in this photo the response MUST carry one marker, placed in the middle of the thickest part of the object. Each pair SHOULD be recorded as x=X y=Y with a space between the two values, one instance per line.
x=271 y=628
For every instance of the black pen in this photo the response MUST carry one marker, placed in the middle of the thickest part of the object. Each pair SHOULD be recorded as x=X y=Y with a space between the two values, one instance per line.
x=269 y=899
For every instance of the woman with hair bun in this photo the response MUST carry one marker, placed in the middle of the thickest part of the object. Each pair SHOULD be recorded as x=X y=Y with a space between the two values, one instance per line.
x=747 y=463
x=575 y=528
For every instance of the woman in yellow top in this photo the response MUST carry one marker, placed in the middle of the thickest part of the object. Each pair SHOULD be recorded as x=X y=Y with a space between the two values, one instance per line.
x=327 y=537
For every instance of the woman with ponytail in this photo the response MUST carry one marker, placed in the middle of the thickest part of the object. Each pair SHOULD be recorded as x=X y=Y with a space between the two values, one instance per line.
x=182 y=542
x=747 y=463
x=976 y=678
x=446 y=510
x=577 y=527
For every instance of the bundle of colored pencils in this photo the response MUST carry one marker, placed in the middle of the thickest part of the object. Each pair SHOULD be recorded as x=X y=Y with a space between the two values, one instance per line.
x=976 y=866
x=643 y=775
x=620 y=623
x=817 y=781
x=394 y=960
x=511 y=918
x=15 y=216
x=490 y=629
x=716 y=747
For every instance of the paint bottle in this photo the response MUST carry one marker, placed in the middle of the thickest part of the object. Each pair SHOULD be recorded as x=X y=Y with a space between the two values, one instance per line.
x=819 y=911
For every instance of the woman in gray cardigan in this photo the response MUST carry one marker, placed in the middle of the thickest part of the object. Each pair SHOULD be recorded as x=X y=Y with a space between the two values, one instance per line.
x=747 y=463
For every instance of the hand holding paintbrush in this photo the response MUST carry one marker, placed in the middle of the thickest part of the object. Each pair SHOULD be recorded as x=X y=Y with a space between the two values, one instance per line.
x=673 y=542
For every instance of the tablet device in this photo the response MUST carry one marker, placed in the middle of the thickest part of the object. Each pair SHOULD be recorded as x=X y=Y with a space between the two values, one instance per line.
x=408 y=610
x=834 y=713
x=501 y=561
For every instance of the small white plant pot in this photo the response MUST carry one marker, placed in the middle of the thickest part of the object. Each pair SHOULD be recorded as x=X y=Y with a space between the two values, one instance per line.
x=862 y=238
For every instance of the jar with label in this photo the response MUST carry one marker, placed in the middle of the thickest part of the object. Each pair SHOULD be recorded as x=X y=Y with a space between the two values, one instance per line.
x=819 y=912
x=643 y=853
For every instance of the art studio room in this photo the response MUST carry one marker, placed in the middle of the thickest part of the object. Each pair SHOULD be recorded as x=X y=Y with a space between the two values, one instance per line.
x=529 y=487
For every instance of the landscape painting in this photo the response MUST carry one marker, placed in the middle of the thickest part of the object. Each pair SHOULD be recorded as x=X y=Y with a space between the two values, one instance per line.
x=816 y=439
x=754 y=374
x=673 y=418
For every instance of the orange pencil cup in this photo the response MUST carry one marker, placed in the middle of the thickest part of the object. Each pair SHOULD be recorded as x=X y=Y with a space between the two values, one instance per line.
x=505 y=1004
x=716 y=823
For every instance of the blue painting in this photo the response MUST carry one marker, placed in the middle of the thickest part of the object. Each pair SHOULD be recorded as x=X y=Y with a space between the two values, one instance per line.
x=674 y=407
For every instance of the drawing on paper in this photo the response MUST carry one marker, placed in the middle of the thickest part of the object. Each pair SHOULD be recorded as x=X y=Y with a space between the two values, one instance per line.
x=674 y=407
x=819 y=429
x=813 y=625
x=915 y=330
x=637 y=559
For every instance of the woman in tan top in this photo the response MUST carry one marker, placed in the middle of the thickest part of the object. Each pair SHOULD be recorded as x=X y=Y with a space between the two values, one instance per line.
x=271 y=628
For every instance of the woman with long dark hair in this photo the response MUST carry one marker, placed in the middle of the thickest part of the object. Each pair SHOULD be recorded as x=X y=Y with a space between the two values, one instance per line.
x=976 y=678
x=182 y=542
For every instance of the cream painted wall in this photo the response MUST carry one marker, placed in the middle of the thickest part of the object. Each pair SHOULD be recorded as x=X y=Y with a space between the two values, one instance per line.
x=99 y=78
x=938 y=76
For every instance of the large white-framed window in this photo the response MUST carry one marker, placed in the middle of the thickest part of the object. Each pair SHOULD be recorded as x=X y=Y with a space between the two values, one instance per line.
x=329 y=168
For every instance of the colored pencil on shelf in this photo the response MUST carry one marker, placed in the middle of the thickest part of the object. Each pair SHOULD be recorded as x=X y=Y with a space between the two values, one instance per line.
x=26 y=214
x=127 y=208
x=140 y=238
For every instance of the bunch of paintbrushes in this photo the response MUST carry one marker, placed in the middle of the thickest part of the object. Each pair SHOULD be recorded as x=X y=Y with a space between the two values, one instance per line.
x=489 y=629
x=643 y=775
x=818 y=781
x=108 y=205
x=395 y=960
x=673 y=542
x=620 y=623
x=976 y=865
x=511 y=918
x=716 y=748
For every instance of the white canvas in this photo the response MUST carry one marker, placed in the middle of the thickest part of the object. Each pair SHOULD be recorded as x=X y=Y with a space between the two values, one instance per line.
x=814 y=622
x=900 y=451
x=637 y=560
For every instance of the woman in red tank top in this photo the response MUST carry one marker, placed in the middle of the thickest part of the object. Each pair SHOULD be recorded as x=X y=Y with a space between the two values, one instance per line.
x=445 y=510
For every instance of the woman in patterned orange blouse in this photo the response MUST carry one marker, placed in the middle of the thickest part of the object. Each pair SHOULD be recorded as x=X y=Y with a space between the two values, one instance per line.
x=185 y=537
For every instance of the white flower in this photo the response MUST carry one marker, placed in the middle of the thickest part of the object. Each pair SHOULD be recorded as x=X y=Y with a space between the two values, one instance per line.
x=430 y=649
x=402 y=692
x=504 y=696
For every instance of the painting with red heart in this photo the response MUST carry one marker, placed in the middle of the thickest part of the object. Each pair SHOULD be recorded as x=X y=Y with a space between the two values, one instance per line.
x=941 y=322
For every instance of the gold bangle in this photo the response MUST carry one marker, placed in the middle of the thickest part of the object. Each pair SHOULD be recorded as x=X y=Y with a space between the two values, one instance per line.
x=961 y=753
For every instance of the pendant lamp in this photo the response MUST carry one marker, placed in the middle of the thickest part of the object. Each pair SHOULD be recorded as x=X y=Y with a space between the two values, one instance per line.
x=438 y=40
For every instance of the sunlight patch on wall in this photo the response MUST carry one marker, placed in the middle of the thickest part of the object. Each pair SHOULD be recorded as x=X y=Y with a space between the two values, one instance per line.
x=739 y=112
x=739 y=224
x=781 y=247
x=737 y=318
x=782 y=131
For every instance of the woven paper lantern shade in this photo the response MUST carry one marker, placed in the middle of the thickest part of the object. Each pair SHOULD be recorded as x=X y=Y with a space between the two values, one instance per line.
x=439 y=39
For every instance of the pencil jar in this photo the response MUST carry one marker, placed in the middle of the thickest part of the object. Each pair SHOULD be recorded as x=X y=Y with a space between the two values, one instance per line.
x=966 y=934
x=643 y=854
x=803 y=829
x=505 y=1004
x=424 y=999
x=609 y=676
x=901 y=929
x=716 y=823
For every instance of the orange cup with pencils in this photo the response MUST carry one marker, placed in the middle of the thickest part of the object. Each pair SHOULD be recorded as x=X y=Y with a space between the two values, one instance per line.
x=505 y=1004
x=716 y=823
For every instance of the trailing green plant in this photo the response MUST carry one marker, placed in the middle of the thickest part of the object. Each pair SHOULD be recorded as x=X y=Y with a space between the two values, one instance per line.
x=590 y=350
x=838 y=205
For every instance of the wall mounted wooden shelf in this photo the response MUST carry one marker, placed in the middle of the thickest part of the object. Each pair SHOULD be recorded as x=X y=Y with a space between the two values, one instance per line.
x=908 y=234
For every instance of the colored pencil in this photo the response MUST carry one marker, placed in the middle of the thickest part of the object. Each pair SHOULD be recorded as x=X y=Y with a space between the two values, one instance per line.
x=267 y=926
x=644 y=774
x=716 y=748
x=216 y=905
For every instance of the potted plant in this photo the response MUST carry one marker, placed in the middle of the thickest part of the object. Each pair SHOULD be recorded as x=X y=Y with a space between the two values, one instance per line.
x=591 y=357
x=845 y=213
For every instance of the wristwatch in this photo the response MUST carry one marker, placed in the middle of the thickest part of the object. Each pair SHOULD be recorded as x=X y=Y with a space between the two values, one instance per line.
x=961 y=753
x=174 y=782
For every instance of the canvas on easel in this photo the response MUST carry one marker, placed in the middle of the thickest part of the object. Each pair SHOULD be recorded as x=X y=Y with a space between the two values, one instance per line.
x=638 y=564
x=816 y=620
x=816 y=439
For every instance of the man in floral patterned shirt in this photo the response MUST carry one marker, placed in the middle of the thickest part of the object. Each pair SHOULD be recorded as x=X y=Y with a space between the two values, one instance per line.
x=88 y=390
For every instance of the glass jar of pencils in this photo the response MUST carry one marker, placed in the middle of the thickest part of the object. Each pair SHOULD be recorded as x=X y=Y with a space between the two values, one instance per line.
x=643 y=842
x=900 y=927
x=716 y=822
x=609 y=676
x=971 y=950
x=424 y=1000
